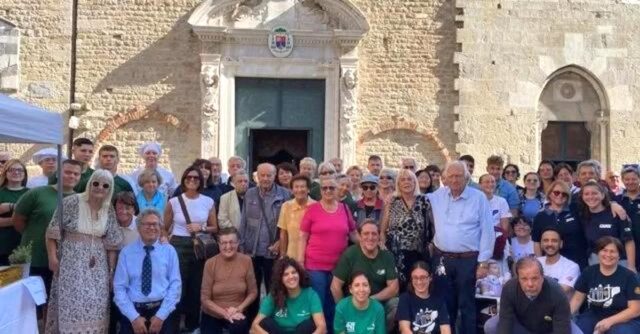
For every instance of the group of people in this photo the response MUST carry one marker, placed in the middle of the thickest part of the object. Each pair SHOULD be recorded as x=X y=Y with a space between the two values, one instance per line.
x=367 y=250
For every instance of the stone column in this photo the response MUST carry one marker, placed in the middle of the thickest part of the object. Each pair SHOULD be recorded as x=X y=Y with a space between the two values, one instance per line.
x=210 y=111
x=348 y=109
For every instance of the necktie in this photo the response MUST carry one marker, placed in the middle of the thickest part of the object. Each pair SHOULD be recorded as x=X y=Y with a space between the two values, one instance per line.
x=146 y=271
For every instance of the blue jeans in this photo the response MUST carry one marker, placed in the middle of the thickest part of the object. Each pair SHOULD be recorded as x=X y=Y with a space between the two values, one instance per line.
x=321 y=284
x=458 y=289
x=587 y=322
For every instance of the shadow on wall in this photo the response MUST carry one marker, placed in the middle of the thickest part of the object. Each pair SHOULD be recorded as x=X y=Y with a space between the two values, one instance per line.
x=164 y=77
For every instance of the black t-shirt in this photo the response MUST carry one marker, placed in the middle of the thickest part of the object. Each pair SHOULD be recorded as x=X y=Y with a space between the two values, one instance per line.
x=608 y=295
x=632 y=206
x=603 y=224
x=568 y=224
x=425 y=315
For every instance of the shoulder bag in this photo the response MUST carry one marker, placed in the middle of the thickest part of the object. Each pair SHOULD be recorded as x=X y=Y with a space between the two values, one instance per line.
x=204 y=244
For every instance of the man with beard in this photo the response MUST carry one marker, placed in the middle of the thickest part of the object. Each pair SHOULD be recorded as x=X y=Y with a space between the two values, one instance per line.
x=556 y=266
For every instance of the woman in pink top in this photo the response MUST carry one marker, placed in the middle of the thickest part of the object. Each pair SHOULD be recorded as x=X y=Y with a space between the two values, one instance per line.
x=324 y=232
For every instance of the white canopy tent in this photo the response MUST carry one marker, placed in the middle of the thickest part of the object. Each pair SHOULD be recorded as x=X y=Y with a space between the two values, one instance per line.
x=21 y=122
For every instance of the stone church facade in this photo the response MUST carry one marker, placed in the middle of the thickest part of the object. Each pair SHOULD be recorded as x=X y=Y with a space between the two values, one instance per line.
x=432 y=79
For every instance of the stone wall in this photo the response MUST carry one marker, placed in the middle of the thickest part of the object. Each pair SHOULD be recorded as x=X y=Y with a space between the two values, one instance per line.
x=509 y=51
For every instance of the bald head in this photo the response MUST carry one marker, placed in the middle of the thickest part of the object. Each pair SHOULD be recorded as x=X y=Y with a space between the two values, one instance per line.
x=266 y=176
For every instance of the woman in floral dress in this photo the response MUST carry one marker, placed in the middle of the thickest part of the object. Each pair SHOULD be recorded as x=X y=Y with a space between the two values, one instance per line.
x=82 y=255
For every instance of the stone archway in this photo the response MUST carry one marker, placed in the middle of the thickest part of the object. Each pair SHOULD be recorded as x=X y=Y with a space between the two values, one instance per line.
x=234 y=36
x=574 y=99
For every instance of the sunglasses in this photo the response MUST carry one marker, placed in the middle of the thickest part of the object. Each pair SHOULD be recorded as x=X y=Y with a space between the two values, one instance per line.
x=409 y=167
x=560 y=193
x=97 y=184
x=386 y=178
x=328 y=188
x=192 y=178
x=365 y=188
x=510 y=172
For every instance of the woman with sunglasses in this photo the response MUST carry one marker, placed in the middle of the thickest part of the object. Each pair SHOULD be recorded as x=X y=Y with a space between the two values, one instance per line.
x=424 y=181
x=511 y=173
x=326 y=170
x=359 y=313
x=531 y=198
x=598 y=221
x=386 y=184
x=82 y=251
x=325 y=229
x=180 y=230
x=557 y=214
x=418 y=310
x=13 y=184
x=370 y=206
x=406 y=226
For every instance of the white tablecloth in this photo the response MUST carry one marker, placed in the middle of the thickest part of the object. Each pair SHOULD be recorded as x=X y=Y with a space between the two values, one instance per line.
x=18 y=306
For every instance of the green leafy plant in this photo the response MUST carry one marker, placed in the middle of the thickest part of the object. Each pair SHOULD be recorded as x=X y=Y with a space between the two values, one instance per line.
x=21 y=255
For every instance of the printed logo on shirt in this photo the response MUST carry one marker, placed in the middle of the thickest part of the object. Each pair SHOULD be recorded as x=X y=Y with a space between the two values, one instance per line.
x=282 y=313
x=495 y=212
x=569 y=219
x=604 y=226
x=303 y=314
x=602 y=296
x=351 y=327
x=627 y=229
x=425 y=321
x=381 y=272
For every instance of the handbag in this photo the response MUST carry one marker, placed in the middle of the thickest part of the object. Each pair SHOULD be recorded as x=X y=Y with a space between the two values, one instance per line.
x=204 y=244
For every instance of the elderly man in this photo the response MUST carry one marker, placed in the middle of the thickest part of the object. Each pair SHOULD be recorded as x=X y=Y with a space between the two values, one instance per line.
x=82 y=150
x=374 y=165
x=463 y=242
x=108 y=158
x=408 y=163
x=147 y=281
x=47 y=159
x=258 y=225
x=151 y=152
x=556 y=266
x=532 y=303
x=231 y=203
x=504 y=188
x=377 y=264
x=337 y=163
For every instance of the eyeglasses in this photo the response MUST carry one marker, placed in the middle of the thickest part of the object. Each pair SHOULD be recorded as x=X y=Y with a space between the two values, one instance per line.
x=365 y=188
x=560 y=193
x=328 y=188
x=328 y=172
x=192 y=178
x=15 y=170
x=97 y=184
x=510 y=172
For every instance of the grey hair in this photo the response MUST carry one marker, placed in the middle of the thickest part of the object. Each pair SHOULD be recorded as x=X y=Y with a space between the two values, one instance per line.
x=457 y=163
x=595 y=164
x=526 y=262
x=309 y=161
x=630 y=170
x=408 y=159
x=148 y=212
x=235 y=157
x=326 y=166
x=241 y=172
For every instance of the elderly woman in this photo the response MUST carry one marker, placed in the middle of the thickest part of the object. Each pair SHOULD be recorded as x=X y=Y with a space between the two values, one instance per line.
x=386 y=184
x=424 y=181
x=150 y=196
x=150 y=153
x=531 y=198
x=309 y=168
x=613 y=293
x=344 y=192
x=359 y=313
x=228 y=288
x=355 y=174
x=12 y=186
x=183 y=227
x=126 y=209
x=291 y=306
x=284 y=172
x=82 y=251
x=325 y=170
x=407 y=225
x=369 y=206
x=291 y=215
x=326 y=227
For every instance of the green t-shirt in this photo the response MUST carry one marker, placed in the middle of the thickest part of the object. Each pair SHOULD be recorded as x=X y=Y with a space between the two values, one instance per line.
x=351 y=204
x=298 y=309
x=120 y=185
x=378 y=270
x=38 y=206
x=9 y=237
x=349 y=319
x=82 y=184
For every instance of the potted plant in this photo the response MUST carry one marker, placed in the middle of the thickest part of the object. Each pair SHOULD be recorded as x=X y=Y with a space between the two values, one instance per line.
x=21 y=256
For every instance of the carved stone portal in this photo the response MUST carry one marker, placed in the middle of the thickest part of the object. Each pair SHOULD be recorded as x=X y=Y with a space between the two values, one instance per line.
x=348 y=114
x=209 y=86
x=9 y=57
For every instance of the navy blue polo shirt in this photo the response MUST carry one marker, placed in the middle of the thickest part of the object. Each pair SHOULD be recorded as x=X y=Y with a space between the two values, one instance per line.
x=603 y=223
x=632 y=207
x=568 y=224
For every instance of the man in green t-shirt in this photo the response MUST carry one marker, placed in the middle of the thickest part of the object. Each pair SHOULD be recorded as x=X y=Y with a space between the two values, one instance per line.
x=34 y=211
x=377 y=264
x=108 y=158
x=82 y=150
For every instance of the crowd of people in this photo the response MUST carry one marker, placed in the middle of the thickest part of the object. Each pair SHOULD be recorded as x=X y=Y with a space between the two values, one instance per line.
x=337 y=249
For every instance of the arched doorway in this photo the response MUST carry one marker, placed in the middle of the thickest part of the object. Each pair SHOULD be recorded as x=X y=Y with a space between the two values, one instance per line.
x=573 y=111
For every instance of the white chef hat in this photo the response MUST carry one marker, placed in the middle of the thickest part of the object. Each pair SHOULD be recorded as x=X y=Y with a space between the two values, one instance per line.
x=150 y=146
x=46 y=153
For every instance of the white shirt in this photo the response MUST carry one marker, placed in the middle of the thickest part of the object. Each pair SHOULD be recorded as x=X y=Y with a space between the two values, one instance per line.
x=198 y=209
x=37 y=181
x=519 y=250
x=565 y=271
x=499 y=209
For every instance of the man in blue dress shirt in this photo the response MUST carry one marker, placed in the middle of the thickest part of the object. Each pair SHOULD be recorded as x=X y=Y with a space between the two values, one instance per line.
x=462 y=244
x=147 y=282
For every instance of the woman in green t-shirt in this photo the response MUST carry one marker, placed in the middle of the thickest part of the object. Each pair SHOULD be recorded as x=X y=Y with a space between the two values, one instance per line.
x=358 y=313
x=13 y=181
x=291 y=306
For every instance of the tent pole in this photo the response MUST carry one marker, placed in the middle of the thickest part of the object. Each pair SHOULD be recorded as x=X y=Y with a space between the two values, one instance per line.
x=59 y=184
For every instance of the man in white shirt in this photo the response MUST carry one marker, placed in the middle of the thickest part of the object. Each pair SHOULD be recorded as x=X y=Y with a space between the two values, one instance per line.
x=556 y=266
